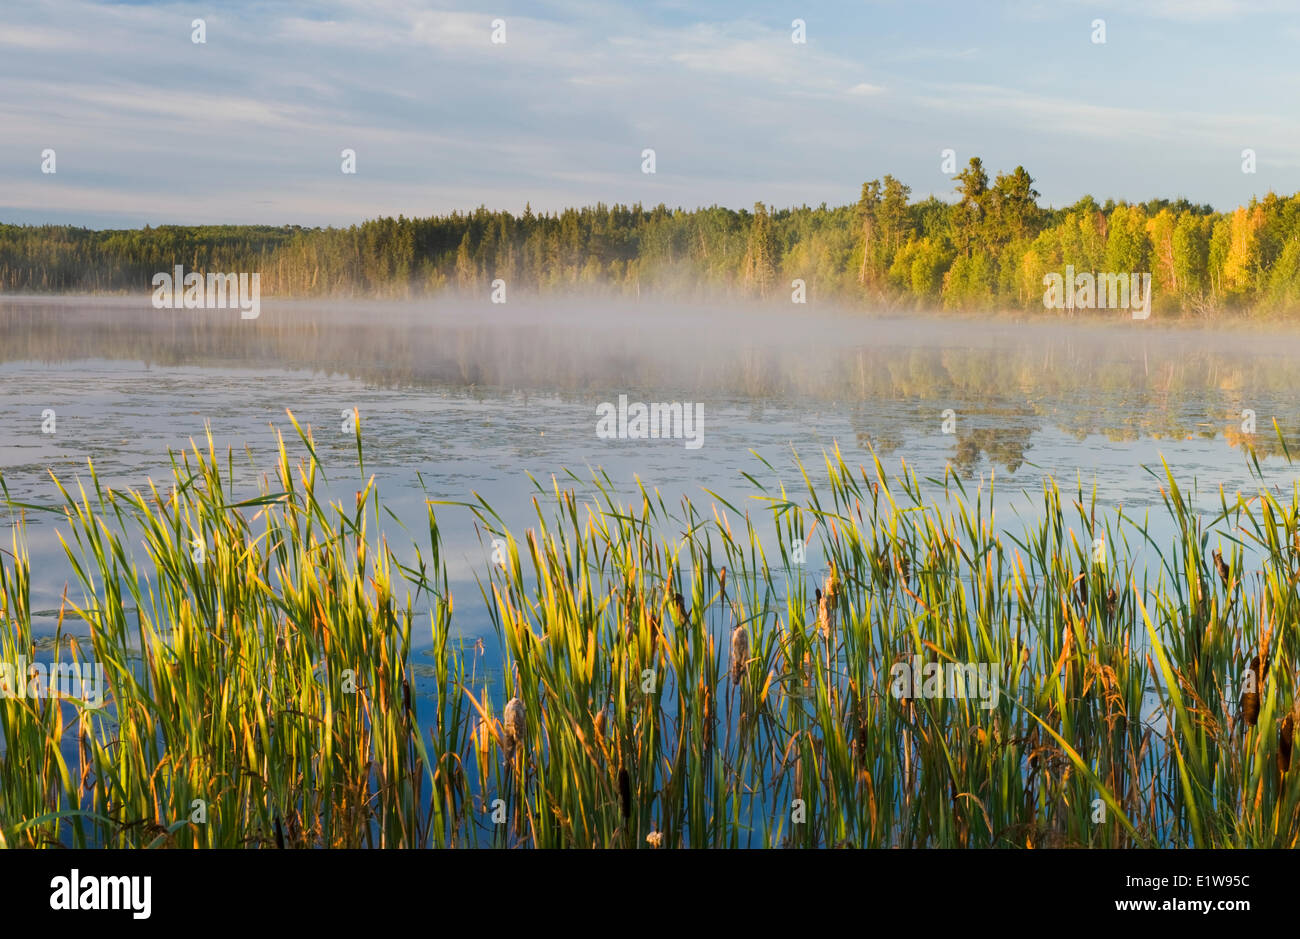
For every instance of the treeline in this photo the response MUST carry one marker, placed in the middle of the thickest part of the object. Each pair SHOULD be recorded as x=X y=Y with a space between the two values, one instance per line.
x=988 y=249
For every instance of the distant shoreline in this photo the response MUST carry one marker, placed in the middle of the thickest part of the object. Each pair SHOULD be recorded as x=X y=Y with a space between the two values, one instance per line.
x=1227 y=321
x=994 y=250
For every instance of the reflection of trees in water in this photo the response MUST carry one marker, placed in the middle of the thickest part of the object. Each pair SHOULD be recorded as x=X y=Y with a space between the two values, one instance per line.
x=1002 y=433
x=1005 y=445
x=1086 y=381
x=880 y=443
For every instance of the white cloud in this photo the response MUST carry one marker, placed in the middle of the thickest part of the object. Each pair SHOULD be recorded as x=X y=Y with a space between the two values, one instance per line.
x=249 y=126
x=33 y=37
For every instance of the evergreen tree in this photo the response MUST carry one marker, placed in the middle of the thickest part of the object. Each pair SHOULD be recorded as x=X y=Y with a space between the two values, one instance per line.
x=972 y=207
x=760 y=254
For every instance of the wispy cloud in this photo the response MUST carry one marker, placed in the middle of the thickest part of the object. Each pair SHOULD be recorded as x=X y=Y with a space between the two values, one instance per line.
x=250 y=126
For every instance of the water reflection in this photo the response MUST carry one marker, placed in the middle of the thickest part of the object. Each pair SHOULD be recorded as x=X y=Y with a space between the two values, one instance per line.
x=891 y=379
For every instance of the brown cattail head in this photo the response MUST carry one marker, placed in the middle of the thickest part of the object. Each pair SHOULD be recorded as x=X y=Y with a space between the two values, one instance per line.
x=680 y=604
x=1221 y=567
x=739 y=653
x=826 y=603
x=832 y=583
x=905 y=566
x=1082 y=588
x=514 y=726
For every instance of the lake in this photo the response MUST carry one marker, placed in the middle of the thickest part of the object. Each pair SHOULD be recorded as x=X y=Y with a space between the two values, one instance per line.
x=456 y=398
x=461 y=401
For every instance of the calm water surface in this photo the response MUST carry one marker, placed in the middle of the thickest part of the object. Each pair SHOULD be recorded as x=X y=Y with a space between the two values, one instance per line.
x=457 y=398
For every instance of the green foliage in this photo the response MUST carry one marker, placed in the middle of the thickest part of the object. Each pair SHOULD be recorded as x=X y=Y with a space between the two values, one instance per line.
x=919 y=267
x=968 y=285
x=271 y=681
x=760 y=254
x=990 y=248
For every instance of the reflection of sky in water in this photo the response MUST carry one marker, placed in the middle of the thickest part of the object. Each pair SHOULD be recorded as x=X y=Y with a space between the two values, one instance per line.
x=483 y=415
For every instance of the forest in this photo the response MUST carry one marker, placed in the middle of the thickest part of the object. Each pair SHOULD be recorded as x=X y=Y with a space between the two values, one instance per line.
x=988 y=249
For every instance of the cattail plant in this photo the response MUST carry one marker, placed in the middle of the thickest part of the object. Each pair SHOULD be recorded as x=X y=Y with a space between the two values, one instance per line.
x=739 y=653
x=514 y=728
x=824 y=615
x=287 y=601
x=1221 y=566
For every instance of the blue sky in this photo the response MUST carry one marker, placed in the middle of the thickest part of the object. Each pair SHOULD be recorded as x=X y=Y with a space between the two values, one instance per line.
x=151 y=128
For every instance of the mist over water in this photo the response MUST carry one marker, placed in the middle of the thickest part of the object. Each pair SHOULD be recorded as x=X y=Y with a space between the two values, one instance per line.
x=461 y=396
x=461 y=400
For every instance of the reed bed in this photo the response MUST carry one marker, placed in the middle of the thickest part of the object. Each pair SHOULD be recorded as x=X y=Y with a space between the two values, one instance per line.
x=670 y=675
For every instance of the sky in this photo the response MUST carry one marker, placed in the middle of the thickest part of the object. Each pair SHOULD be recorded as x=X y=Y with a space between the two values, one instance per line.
x=150 y=127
